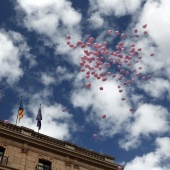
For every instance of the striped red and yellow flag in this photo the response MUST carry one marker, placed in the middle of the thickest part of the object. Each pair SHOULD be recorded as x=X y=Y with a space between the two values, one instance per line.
x=20 y=111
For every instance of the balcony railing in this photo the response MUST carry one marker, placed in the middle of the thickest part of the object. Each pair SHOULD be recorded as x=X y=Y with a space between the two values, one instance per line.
x=42 y=167
x=3 y=160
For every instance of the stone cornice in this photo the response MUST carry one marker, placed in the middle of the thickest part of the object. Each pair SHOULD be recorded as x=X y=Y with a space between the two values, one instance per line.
x=53 y=145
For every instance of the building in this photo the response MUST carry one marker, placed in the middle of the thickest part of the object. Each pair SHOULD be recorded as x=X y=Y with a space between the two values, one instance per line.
x=24 y=149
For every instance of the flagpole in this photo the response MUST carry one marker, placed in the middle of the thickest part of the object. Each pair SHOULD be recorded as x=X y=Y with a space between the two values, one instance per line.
x=18 y=111
x=38 y=126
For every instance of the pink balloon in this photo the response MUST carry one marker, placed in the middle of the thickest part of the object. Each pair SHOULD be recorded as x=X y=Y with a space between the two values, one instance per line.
x=123 y=35
x=83 y=46
x=143 y=78
x=145 y=32
x=127 y=73
x=101 y=88
x=64 y=109
x=135 y=30
x=149 y=76
x=117 y=32
x=110 y=58
x=114 y=75
x=131 y=109
x=152 y=54
x=121 y=43
x=94 y=136
x=119 y=168
x=109 y=31
x=104 y=79
x=140 y=68
x=88 y=85
x=144 y=26
x=88 y=37
x=79 y=43
x=120 y=91
x=122 y=98
x=91 y=39
x=122 y=49
x=109 y=73
x=6 y=121
x=68 y=37
x=122 y=71
x=105 y=43
x=104 y=116
x=119 y=66
x=82 y=69
x=133 y=79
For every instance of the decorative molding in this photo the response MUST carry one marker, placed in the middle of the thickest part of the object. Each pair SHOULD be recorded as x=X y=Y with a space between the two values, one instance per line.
x=70 y=147
x=26 y=132
x=2 y=144
x=24 y=150
x=76 y=166
x=68 y=164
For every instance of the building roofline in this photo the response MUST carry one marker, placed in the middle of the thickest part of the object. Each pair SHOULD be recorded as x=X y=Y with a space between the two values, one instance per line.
x=63 y=145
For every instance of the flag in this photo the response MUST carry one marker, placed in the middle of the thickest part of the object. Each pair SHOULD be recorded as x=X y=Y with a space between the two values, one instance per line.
x=20 y=111
x=39 y=118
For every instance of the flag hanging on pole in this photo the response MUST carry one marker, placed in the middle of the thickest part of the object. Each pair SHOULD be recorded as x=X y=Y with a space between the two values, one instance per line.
x=39 y=118
x=20 y=111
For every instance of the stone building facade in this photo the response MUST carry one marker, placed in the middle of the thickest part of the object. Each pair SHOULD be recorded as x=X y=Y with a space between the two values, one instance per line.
x=24 y=149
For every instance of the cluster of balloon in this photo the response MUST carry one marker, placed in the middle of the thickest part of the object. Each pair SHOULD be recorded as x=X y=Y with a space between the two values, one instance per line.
x=97 y=56
x=6 y=121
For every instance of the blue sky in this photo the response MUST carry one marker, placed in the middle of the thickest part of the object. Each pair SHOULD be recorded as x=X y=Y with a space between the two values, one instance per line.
x=37 y=63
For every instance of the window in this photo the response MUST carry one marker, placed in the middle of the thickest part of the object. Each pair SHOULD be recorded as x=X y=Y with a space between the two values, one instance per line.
x=44 y=165
x=3 y=159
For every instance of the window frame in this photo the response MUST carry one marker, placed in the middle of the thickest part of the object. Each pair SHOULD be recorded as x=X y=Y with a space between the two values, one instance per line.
x=43 y=165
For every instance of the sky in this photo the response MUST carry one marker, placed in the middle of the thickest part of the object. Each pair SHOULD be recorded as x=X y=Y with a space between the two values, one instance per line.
x=60 y=53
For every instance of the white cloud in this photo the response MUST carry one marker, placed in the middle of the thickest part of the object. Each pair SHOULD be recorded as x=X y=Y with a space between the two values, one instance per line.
x=47 y=79
x=157 y=160
x=148 y=119
x=54 y=20
x=63 y=74
x=96 y=20
x=156 y=87
x=117 y=7
x=12 y=48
